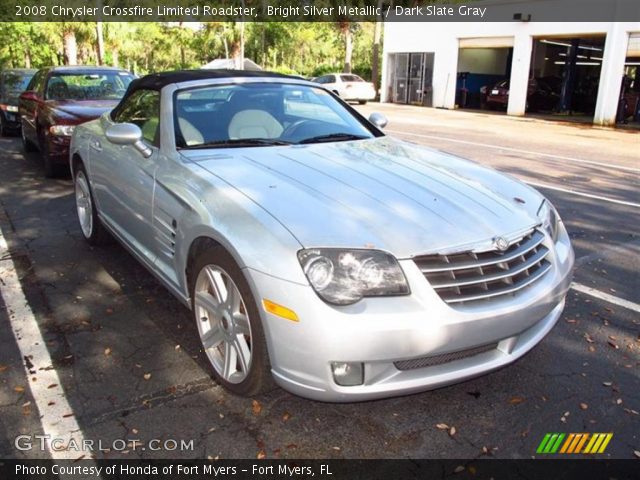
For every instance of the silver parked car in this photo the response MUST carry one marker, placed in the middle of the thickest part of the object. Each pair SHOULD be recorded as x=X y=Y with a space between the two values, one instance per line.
x=313 y=250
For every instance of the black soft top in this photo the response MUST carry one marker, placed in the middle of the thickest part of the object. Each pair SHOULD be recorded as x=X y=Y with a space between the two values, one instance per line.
x=156 y=81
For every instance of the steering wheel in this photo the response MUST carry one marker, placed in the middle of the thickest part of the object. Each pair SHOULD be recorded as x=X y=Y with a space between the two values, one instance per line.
x=297 y=130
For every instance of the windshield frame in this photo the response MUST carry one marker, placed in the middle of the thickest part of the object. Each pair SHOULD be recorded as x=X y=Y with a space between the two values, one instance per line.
x=172 y=93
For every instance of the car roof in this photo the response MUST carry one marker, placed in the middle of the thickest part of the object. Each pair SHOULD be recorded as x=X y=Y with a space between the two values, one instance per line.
x=84 y=69
x=19 y=70
x=156 y=81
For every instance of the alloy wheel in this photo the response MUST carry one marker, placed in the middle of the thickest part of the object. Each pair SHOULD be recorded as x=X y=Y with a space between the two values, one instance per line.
x=223 y=324
x=84 y=205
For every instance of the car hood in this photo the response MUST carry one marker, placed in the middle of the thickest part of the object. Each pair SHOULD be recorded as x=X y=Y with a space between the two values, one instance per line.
x=380 y=193
x=82 y=110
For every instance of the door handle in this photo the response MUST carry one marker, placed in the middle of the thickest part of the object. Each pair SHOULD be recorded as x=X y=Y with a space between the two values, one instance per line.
x=95 y=145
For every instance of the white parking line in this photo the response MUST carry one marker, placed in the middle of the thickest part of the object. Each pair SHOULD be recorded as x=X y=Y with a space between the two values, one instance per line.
x=543 y=185
x=583 y=194
x=630 y=249
x=621 y=302
x=56 y=415
x=518 y=150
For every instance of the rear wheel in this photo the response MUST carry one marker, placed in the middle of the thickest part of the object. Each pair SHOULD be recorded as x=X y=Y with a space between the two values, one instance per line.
x=90 y=225
x=229 y=324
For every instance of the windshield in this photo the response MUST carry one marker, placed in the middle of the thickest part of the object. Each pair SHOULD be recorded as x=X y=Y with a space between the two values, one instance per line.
x=351 y=78
x=259 y=114
x=88 y=86
x=16 y=82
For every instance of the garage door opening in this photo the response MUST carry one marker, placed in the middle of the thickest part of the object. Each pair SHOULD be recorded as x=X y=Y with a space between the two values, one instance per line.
x=484 y=66
x=629 y=108
x=565 y=77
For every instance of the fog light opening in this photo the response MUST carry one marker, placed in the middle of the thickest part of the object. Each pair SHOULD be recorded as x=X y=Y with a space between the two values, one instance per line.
x=348 y=374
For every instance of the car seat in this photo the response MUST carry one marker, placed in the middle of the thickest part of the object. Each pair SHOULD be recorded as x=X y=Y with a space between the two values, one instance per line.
x=254 y=124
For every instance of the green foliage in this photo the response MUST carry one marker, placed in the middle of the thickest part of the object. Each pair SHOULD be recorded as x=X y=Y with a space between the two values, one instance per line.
x=308 y=49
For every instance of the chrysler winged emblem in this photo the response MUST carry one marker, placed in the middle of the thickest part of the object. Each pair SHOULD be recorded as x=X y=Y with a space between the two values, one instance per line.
x=500 y=243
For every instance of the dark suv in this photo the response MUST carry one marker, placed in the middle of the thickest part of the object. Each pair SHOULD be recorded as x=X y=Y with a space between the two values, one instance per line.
x=58 y=99
x=12 y=83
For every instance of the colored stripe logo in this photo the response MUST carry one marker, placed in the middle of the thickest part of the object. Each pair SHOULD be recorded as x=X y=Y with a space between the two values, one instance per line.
x=587 y=443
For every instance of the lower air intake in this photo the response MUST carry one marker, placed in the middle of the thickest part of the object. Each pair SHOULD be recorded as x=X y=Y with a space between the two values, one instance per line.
x=444 y=358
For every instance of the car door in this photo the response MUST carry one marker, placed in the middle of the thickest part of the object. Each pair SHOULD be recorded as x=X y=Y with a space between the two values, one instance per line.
x=29 y=107
x=332 y=84
x=122 y=178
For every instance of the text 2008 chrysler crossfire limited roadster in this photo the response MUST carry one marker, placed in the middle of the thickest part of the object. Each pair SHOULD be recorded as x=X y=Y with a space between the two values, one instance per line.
x=313 y=250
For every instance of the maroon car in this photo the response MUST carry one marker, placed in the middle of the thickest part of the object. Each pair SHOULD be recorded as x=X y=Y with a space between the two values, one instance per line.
x=540 y=95
x=59 y=98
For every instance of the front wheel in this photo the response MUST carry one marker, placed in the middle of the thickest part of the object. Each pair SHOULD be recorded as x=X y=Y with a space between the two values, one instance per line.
x=26 y=143
x=229 y=324
x=50 y=169
x=91 y=226
x=3 y=127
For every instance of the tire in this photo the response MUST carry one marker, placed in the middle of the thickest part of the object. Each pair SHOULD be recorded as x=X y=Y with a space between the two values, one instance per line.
x=3 y=127
x=230 y=329
x=50 y=170
x=26 y=143
x=90 y=224
x=362 y=102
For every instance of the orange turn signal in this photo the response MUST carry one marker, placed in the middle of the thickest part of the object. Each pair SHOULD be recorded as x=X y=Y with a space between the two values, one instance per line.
x=279 y=310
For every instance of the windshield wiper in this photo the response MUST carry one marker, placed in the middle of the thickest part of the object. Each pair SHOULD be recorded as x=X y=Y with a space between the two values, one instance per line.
x=238 y=142
x=339 y=137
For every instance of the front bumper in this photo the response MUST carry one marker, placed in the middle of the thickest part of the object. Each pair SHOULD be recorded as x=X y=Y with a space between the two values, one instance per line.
x=58 y=149
x=357 y=94
x=379 y=332
x=11 y=120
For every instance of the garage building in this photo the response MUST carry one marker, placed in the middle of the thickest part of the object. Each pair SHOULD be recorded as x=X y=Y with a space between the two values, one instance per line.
x=577 y=69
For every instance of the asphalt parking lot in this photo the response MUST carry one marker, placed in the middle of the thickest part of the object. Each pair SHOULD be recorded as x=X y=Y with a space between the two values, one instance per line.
x=127 y=358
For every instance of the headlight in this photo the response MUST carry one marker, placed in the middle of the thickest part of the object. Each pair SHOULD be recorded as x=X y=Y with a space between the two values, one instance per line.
x=343 y=277
x=62 y=130
x=12 y=108
x=549 y=217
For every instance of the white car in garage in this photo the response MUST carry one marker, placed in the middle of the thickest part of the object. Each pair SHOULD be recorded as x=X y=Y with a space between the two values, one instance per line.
x=348 y=86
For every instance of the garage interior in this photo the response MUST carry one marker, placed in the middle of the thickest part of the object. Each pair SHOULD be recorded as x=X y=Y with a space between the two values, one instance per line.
x=482 y=64
x=629 y=111
x=569 y=70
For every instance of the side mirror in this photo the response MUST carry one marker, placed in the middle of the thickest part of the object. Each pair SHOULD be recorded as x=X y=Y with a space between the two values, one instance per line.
x=127 y=134
x=378 y=119
x=29 y=95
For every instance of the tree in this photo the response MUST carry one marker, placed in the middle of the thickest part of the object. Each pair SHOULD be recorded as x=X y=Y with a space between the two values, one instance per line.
x=345 y=31
x=304 y=48
x=100 y=43
x=375 y=52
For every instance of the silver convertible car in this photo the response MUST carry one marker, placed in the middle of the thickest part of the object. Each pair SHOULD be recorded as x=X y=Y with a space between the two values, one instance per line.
x=314 y=251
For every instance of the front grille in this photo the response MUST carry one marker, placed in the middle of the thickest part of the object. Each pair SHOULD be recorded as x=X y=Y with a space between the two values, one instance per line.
x=478 y=276
x=444 y=358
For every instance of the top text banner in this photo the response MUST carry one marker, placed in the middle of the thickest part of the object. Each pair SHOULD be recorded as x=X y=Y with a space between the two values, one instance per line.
x=319 y=10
